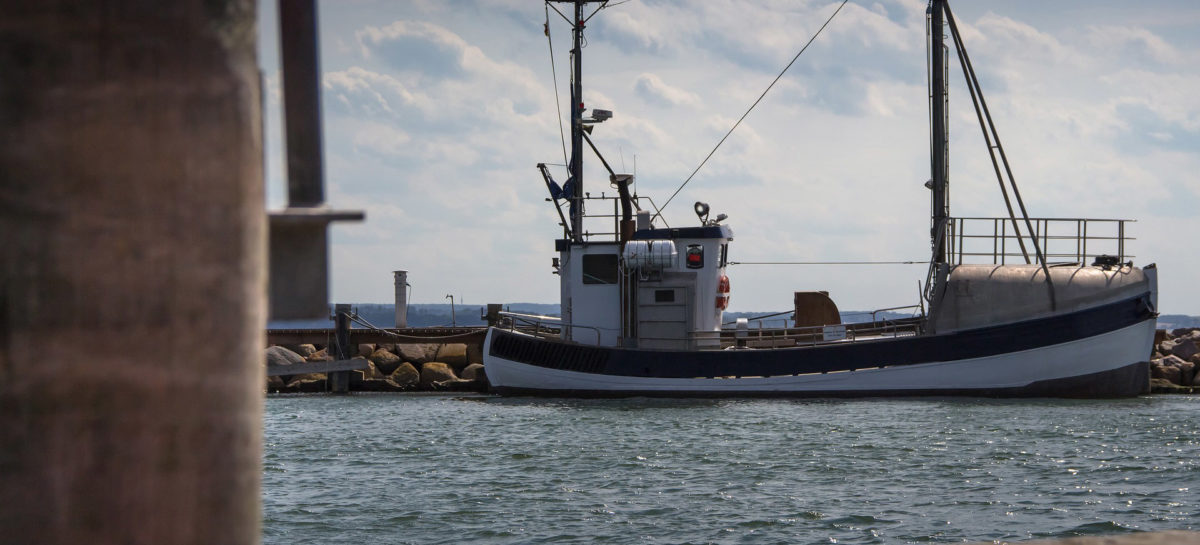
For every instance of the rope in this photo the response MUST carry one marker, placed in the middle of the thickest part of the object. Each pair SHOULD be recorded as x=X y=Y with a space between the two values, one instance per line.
x=760 y=97
x=554 y=74
x=826 y=263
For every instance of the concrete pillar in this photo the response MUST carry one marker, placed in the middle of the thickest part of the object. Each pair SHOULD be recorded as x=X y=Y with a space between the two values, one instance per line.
x=401 y=298
x=132 y=277
x=339 y=381
x=493 y=314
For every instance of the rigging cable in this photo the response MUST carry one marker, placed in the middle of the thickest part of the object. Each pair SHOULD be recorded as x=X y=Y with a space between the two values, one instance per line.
x=760 y=97
x=554 y=74
x=922 y=262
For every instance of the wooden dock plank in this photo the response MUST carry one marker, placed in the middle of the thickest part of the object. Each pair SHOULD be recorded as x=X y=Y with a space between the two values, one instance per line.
x=317 y=367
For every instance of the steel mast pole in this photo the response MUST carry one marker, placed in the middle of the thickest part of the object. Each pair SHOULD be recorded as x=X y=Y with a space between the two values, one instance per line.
x=939 y=148
x=577 y=123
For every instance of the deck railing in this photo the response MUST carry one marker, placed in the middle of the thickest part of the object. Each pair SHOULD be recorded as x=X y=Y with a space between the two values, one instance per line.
x=761 y=337
x=613 y=218
x=1063 y=240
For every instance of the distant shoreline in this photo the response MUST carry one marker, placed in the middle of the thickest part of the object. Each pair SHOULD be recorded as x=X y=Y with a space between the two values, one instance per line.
x=438 y=314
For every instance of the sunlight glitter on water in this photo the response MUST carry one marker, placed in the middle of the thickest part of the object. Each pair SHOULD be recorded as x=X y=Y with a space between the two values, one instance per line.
x=422 y=469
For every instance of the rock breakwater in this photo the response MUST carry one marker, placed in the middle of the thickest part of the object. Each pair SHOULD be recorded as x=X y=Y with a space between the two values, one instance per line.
x=1175 y=361
x=428 y=367
x=433 y=367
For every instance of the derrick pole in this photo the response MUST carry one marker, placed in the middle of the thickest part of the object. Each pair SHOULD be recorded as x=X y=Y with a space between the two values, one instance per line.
x=939 y=151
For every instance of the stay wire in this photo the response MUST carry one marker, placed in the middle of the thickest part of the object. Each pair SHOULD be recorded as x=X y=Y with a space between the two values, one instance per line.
x=827 y=262
x=760 y=97
x=554 y=73
x=589 y=17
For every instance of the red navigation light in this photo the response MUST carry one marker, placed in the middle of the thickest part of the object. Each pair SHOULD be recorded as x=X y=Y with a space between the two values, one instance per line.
x=695 y=256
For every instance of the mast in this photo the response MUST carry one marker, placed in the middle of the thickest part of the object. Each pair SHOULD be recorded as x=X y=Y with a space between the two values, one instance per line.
x=576 y=165
x=939 y=149
x=575 y=196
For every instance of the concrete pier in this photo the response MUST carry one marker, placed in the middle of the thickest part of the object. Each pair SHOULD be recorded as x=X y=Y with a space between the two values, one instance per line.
x=131 y=203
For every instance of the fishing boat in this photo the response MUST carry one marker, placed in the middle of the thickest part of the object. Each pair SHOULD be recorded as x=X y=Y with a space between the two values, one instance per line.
x=1004 y=310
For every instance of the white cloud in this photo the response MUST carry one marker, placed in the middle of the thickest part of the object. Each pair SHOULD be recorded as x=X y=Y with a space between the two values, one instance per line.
x=652 y=89
x=435 y=120
x=382 y=139
x=1145 y=44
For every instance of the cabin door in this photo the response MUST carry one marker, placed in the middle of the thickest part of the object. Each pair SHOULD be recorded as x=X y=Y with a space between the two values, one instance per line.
x=664 y=317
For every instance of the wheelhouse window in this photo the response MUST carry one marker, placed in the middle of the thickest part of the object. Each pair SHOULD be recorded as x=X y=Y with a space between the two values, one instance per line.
x=600 y=269
x=724 y=255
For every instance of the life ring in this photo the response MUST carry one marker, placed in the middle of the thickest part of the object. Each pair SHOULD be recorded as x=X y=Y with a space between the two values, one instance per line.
x=723 y=292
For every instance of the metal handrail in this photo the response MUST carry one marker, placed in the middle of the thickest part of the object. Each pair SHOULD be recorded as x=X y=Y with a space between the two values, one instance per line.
x=537 y=321
x=814 y=335
x=615 y=215
x=809 y=335
x=1070 y=244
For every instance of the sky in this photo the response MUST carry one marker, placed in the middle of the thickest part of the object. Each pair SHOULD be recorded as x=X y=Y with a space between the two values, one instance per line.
x=437 y=111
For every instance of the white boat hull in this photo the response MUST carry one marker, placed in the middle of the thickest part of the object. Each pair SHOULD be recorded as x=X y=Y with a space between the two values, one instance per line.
x=1070 y=369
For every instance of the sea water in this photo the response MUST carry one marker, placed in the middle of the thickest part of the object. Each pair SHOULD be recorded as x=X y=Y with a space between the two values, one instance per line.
x=367 y=469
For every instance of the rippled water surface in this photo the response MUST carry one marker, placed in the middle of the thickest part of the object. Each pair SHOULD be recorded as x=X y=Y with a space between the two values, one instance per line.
x=368 y=469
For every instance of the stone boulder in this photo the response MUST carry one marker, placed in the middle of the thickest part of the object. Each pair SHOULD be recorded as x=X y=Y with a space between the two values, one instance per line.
x=1169 y=373
x=370 y=373
x=475 y=353
x=1185 y=332
x=458 y=385
x=278 y=355
x=320 y=355
x=275 y=384
x=1169 y=368
x=365 y=349
x=385 y=361
x=305 y=350
x=476 y=374
x=417 y=353
x=1163 y=386
x=435 y=372
x=307 y=377
x=453 y=354
x=1161 y=335
x=406 y=376
x=1183 y=347
x=1187 y=373
x=308 y=385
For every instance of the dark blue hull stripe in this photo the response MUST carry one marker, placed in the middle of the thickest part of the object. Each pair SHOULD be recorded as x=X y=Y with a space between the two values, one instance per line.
x=1126 y=381
x=976 y=343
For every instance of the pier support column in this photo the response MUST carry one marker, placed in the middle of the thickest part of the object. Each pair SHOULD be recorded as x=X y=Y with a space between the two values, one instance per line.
x=339 y=381
x=493 y=314
x=132 y=278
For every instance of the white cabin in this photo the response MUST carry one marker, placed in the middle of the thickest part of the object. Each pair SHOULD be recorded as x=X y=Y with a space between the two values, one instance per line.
x=664 y=289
